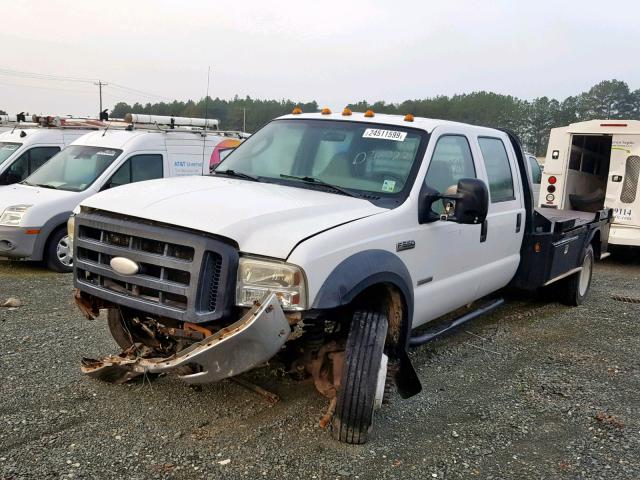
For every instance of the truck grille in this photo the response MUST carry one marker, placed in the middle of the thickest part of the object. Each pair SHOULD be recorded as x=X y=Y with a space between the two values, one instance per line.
x=181 y=275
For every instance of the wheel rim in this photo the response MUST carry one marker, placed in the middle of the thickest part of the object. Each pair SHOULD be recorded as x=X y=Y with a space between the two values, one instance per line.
x=585 y=275
x=63 y=252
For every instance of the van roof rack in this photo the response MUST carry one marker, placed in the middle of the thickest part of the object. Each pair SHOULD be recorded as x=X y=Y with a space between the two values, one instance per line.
x=23 y=120
x=170 y=121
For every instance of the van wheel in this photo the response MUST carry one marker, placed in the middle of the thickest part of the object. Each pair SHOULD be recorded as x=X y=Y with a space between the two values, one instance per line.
x=574 y=290
x=361 y=377
x=58 y=254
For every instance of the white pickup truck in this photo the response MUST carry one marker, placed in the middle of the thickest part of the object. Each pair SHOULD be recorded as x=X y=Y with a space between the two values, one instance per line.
x=327 y=239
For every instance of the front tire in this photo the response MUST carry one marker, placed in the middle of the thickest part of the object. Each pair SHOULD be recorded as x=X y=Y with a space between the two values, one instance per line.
x=574 y=290
x=58 y=253
x=360 y=377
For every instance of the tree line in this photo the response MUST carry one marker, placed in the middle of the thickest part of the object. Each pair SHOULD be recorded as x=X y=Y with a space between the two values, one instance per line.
x=530 y=119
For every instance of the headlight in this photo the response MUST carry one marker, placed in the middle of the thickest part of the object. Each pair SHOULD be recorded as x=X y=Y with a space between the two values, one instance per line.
x=256 y=277
x=71 y=225
x=12 y=216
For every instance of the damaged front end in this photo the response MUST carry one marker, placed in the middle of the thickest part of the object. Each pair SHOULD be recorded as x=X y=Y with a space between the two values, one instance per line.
x=236 y=348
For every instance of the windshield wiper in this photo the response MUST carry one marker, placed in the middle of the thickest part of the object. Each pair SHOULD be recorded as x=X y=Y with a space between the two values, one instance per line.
x=233 y=173
x=41 y=185
x=317 y=181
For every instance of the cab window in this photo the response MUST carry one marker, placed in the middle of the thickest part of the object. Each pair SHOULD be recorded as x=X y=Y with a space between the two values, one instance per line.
x=496 y=162
x=137 y=169
x=27 y=163
x=451 y=161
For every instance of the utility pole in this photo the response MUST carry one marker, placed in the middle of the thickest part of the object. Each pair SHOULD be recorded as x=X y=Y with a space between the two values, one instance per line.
x=244 y=119
x=100 y=85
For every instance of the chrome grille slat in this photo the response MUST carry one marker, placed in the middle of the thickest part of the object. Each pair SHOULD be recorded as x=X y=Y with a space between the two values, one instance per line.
x=140 y=280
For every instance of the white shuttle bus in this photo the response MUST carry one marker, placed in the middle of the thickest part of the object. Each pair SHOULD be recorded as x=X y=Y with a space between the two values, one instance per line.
x=596 y=164
x=34 y=212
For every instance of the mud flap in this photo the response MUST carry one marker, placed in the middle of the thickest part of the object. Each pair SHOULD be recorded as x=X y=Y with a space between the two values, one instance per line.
x=407 y=379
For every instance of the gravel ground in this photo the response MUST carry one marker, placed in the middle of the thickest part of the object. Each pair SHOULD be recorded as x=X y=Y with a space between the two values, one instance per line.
x=533 y=391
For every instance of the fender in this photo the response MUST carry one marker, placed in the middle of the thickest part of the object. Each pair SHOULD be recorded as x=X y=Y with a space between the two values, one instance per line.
x=354 y=275
x=45 y=231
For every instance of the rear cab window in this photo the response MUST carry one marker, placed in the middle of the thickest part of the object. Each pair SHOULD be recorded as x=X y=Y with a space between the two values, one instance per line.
x=498 y=168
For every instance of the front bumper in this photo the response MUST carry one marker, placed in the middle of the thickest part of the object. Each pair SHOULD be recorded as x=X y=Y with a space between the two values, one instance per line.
x=624 y=235
x=241 y=346
x=15 y=242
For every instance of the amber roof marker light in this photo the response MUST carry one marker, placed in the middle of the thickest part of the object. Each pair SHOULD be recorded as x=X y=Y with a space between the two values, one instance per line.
x=296 y=111
x=408 y=118
x=346 y=112
x=326 y=111
x=369 y=114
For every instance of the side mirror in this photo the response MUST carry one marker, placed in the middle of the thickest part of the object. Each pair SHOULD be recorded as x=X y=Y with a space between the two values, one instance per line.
x=468 y=205
x=472 y=204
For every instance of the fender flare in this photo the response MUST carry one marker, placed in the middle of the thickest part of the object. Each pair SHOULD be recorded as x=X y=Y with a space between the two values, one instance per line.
x=353 y=276
x=45 y=232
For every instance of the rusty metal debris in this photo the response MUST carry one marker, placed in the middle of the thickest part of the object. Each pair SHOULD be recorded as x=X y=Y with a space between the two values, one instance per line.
x=269 y=396
x=89 y=308
x=625 y=298
x=249 y=342
x=609 y=419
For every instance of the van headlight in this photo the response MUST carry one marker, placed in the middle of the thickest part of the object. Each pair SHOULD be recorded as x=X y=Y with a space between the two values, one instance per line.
x=257 y=277
x=12 y=216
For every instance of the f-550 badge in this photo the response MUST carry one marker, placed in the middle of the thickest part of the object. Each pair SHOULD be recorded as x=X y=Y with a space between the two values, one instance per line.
x=406 y=245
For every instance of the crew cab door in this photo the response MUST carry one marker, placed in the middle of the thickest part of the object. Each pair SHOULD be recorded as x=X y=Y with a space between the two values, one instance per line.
x=504 y=227
x=449 y=257
x=624 y=175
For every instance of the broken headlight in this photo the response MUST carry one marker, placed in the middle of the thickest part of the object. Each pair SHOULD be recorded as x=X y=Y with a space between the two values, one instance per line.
x=12 y=216
x=257 y=277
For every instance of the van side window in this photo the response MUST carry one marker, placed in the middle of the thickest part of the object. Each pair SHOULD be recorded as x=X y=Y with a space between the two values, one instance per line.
x=137 y=169
x=498 y=168
x=451 y=161
x=27 y=163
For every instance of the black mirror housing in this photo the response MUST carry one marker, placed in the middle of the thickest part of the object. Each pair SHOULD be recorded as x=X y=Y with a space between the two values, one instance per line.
x=471 y=202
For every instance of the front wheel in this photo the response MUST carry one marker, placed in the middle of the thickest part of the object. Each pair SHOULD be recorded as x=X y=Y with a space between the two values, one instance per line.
x=361 y=377
x=574 y=290
x=58 y=253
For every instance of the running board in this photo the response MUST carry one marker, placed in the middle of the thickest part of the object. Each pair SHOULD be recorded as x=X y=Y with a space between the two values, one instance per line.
x=439 y=330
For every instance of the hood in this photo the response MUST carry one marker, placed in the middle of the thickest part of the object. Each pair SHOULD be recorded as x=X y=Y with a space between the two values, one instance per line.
x=46 y=202
x=263 y=218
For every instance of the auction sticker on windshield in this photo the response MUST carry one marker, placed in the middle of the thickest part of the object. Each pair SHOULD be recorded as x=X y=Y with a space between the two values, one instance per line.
x=384 y=134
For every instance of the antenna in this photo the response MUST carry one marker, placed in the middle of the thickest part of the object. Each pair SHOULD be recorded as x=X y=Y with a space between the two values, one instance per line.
x=206 y=112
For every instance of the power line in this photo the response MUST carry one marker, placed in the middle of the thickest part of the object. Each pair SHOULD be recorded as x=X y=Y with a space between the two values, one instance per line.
x=47 y=88
x=62 y=78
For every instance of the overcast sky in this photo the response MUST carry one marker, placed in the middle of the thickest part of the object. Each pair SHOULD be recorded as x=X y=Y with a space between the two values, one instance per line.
x=331 y=51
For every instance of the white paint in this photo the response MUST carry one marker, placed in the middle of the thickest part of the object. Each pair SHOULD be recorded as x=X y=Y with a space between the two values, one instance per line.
x=315 y=230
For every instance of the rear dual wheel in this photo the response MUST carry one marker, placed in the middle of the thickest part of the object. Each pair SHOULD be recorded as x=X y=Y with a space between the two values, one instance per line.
x=574 y=289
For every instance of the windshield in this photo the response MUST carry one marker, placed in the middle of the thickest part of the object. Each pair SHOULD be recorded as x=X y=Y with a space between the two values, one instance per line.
x=7 y=149
x=74 y=168
x=361 y=157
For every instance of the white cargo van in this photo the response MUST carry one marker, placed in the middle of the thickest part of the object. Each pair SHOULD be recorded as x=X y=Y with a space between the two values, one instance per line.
x=596 y=164
x=26 y=147
x=34 y=212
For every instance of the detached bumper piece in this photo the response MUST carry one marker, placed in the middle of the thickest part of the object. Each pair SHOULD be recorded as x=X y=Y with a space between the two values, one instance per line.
x=241 y=346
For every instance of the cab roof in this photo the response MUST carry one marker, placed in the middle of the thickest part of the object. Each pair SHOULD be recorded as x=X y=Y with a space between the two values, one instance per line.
x=426 y=124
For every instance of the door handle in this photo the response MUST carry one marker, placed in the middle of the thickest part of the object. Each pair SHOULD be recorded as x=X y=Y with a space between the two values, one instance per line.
x=483 y=231
x=518 y=222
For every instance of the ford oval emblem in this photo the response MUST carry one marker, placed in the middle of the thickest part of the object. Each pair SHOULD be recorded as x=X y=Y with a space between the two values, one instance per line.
x=124 y=266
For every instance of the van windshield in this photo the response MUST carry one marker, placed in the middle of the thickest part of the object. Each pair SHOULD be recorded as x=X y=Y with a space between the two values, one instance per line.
x=7 y=149
x=74 y=169
x=363 y=158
